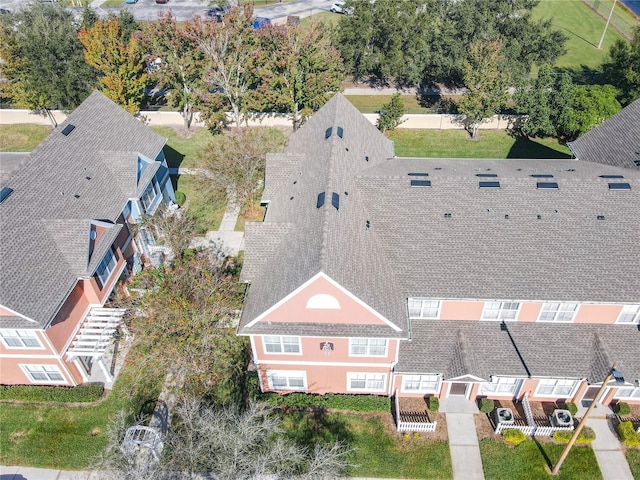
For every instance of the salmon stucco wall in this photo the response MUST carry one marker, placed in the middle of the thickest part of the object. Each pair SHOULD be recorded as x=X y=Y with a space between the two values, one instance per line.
x=460 y=310
x=12 y=374
x=590 y=313
x=529 y=312
x=70 y=315
x=44 y=349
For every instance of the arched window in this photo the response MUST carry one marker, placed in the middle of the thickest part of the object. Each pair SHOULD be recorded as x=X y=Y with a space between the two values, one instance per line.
x=323 y=300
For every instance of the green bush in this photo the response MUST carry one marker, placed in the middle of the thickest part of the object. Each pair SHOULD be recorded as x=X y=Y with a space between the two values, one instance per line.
x=38 y=393
x=514 y=436
x=628 y=435
x=434 y=404
x=486 y=405
x=572 y=407
x=357 y=403
x=391 y=113
x=180 y=198
x=587 y=435
x=622 y=408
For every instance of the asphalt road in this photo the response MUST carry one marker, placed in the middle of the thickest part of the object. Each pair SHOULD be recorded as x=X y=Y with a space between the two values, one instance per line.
x=187 y=9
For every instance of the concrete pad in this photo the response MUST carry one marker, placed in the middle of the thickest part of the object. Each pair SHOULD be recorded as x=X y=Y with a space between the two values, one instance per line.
x=613 y=465
x=458 y=405
x=29 y=473
x=70 y=475
x=461 y=429
x=9 y=473
x=466 y=461
x=606 y=439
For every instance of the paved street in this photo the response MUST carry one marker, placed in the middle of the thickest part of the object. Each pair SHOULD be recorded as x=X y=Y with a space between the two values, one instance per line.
x=187 y=9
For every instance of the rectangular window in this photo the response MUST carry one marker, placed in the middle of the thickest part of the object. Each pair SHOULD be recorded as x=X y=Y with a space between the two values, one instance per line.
x=628 y=393
x=366 y=382
x=106 y=267
x=20 y=339
x=368 y=347
x=281 y=344
x=423 y=308
x=287 y=380
x=558 y=312
x=556 y=388
x=43 y=373
x=149 y=196
x=500 y=310
x=421 y=383
x=506 y=386
x=630 y=314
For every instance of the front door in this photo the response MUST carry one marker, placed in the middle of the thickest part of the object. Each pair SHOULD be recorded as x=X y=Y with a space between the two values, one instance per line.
x=589 y=395
x=458 y=389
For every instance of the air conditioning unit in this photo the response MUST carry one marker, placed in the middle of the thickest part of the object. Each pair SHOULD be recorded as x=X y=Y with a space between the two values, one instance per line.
x=561 y=418
x=503 y=415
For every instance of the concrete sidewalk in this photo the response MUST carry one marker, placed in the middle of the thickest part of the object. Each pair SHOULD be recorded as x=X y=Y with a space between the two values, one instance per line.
x=611 y=458
x=464 y=447
x=30 y=473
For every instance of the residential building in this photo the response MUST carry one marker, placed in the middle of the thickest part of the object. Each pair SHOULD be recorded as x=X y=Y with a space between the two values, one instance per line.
x=66 y=237
x=447 y=277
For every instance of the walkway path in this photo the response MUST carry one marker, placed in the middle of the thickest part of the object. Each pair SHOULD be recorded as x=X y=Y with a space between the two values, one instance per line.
x=611 y=459
x=463 y=439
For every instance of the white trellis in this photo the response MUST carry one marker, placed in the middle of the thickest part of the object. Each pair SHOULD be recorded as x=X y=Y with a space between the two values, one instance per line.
x=140 y=438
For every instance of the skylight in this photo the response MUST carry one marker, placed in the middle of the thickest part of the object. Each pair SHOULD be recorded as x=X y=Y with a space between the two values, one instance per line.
x=619 y=186
x=489 y=184
x=420 y=183
x=546 y=185
x=542 y=175
x=4 y=193
x=340 y=132
x=335 y=200
x=321 y=196
x=68 y=129
x=414 y=174
x=611 y=176
x=328 y=133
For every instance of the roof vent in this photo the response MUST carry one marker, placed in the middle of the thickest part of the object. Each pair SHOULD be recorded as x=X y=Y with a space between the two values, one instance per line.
x=366 y=158
x=546 y=185
x=4 y=193
x=68 y=129
x=320 y=202
x=539 y=217
x=619 y=186
x=506 y=216
x=600 y=217
x=328 y=133
x=77 y=196
x=447 y=215
x=335 y=200
x=489 y=184
x=367 y=224
x=420 y=183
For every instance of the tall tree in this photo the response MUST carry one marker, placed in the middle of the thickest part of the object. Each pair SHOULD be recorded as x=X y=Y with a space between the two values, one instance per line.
x=229 y=49
x=485 y=76
x=118 y=57
x=178 y=66
x=299 y=69
x=42 y=61
x=391 y=113
x=590 y=106
x=622 y=68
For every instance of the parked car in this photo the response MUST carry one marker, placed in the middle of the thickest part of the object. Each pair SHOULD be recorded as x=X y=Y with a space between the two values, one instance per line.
x=260 y=22
x=338 y=7
x=162 y=1
x=217 y=11
x=131 y=1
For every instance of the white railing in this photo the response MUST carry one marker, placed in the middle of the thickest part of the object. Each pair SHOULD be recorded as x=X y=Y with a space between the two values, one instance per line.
x=526 y=429
x=527 y=410
x=532 y=428
x=412 y=426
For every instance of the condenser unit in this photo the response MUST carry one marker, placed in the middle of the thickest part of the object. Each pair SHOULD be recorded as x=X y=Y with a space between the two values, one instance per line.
x=561 y=418
x=503 y=415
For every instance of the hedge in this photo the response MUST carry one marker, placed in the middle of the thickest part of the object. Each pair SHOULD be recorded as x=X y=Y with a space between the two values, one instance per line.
x=572 y=407
x=628 y=435
x=434 y=404
x=514 y=436
x=587 y=435
x=38 y=393
x=622 y=408
x=357 y=403
x=486 y=405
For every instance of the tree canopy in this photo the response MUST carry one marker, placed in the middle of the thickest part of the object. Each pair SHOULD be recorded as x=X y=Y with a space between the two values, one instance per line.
x=622 y=69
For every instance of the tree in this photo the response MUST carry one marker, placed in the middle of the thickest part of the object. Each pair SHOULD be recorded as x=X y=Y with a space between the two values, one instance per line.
x=179 y=67
x=118 y=57
x=622 y=69
x=42 y=61
x=299 y=69
x=590 y=106
x=229 y=48
x=391 y=113
x=485 y=77
x=231 y=443
x=172 y=228
x=235 y=163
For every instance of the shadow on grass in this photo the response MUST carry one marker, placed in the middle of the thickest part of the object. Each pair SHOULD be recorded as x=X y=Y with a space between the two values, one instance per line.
x=174 y=158
x=583 y=75
x=310 y=426
x=524 y=147
x=543 y=453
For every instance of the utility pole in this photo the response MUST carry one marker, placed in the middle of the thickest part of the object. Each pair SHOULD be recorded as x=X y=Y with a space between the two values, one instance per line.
x=607 y=25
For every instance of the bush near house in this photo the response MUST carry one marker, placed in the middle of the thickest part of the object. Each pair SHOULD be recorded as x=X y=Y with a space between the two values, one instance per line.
x=434 y=404
x=587 y=435
x=572 y=407
x=37 y=393
x=622 y=408
x=356 y=403
x=514 y=436
x=628 y=435
x=180 y=198
x=486 y=405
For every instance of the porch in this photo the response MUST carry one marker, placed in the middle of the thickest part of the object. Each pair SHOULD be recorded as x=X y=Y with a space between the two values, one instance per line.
x=412 y=415
x=533 y=419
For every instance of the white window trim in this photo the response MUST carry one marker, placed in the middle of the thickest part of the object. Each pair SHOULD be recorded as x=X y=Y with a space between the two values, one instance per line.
x=501 y=302
x=27 y=373
x=634 y=390
x=495 y=380
x=264 y=345
x=351 y=375
x=555 y=395
x=555 y=316
x=113 y=256
x=439 y=308
x=636 y=320
x=403 y=388
x=287 y=374
x=17 y=334
x=368 y=354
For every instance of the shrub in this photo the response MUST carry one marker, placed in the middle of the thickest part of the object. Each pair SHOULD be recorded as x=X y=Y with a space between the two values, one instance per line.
x=180 y=198
x=434 y=404
x=357 y=403
x=486 y=405
x=587 y=435
x=514 y=436
x=391 y=113
x=572 y=407
x=628 y=435
x=38 y=393
x=622 y=408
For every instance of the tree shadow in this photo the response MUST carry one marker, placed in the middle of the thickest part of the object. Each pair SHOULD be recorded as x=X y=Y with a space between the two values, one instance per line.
x=437 y=102
x=174 y=158
x=524 y=147
x=571 y=32
x=543 y=453
x=582 y=75
x=315 y=425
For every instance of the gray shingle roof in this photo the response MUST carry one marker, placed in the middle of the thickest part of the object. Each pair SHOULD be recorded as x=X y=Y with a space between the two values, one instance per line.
x=615 y=141
x=526 y=350
x=67 y=182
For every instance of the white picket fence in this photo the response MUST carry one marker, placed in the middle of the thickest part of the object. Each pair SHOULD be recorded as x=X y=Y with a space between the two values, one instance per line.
x=532 y=428
x=401 y=426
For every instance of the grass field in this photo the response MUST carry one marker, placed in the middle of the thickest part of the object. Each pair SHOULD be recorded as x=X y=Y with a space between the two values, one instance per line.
x=456 y=144
x=21 y=137
x=374 y=451
x=373 y=103
x=584 y=28
x=527 y=461
x=206 y=213
x=633 y=457
x=181 y=150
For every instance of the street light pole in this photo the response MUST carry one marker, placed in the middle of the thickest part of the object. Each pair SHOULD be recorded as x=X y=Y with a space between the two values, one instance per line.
x=567 y=449
x=607 y=25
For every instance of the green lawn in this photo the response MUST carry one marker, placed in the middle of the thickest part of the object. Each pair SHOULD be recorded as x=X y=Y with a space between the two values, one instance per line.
x=328 y=18
x=584 y=28
x=527 y=461
x=180 y=150
x=633 y=457
x=206 y=212
x=375 y=451
x=22 y=137
x=57 y=436
x=373 y=103
x=456 y=144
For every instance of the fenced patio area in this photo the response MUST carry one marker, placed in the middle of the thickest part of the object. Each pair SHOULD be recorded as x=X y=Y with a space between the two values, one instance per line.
x=529 y=423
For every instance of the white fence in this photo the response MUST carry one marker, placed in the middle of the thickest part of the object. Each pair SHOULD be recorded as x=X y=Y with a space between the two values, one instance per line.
x=531 y=428
x=412 y=426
